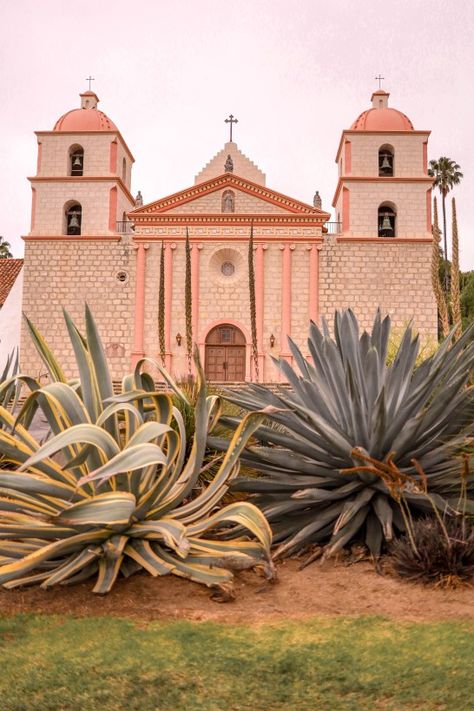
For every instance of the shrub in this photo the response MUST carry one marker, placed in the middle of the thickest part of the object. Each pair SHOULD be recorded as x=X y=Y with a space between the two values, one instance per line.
x=347 y=404
x=109 y=492
x=439 y=554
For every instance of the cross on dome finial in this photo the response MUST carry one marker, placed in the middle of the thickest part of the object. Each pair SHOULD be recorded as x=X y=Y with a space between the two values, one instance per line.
x=89 y=79
x=231 y=120
x=380 y=79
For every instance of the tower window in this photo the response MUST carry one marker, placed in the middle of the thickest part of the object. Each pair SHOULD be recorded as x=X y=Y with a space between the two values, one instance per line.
x=76 y=160
x=386 y=161
x=124 y=171
x=387 y=220
x=73 y=218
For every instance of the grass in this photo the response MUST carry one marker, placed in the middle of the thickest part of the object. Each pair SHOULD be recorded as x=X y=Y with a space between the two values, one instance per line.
x=71 y=664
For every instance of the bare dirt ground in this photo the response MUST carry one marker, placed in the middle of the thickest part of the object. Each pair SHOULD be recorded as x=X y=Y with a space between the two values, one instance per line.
x=334 y=590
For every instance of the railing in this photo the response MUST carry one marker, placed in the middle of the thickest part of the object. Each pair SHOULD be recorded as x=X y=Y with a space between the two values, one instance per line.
x=125 y=227
x=333 y=228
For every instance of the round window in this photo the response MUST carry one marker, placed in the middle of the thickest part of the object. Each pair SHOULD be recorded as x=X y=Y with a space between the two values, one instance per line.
x=227 y=269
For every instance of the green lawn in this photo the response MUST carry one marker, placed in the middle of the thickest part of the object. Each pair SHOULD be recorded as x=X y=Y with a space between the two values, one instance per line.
x=324 y=664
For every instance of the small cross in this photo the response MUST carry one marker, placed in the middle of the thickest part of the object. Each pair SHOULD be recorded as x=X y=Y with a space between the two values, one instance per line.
x=89 y=79
x=380 y=80
x=231 y=120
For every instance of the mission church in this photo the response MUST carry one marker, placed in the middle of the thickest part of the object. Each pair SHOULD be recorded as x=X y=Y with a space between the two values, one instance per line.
x=91 y=240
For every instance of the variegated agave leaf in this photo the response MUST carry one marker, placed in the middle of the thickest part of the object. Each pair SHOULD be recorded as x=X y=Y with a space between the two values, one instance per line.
x=349 y=399
x=111 y=490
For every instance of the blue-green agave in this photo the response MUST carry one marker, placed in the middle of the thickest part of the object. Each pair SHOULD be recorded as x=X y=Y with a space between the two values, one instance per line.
x=346 y=410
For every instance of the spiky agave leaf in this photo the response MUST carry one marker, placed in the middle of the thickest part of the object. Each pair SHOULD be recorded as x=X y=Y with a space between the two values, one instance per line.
x=348 y=399
x=109 y=491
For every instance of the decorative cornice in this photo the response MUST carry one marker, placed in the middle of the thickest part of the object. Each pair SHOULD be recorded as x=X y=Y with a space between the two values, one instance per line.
x=259 y=239
x=387 y=240
x=376 y=179
x=72 y=238
x=83 y=179
x=228 y=180
x=226 y=219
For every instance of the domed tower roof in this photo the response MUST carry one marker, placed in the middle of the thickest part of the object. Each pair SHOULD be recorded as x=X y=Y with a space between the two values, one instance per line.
x=380 y=117
x=87 y=118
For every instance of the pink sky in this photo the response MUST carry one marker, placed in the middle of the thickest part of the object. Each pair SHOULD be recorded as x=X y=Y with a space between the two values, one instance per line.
x=295 y=73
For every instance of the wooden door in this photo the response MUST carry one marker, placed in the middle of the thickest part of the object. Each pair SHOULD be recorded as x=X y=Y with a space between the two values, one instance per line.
x=225 y=354
x=215 y=363
x=235 y=363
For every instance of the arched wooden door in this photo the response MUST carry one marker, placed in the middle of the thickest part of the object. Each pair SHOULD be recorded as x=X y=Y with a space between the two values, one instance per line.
x=225 y=354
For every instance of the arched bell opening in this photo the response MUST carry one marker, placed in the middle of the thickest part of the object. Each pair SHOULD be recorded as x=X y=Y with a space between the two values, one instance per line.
x=387 y=220
x=76 y=160
x=72 y=218
x=225 y=355
x=386 y=161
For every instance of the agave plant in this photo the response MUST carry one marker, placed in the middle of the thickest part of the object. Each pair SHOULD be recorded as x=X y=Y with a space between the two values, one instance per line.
x=111 y=490
x=348 y=407
x=10 y=369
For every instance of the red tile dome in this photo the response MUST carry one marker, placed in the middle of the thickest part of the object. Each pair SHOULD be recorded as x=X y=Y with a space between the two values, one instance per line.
x=382 y=118
x=87 y=118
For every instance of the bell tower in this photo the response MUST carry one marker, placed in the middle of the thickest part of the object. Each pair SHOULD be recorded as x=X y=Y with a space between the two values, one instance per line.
x=82 y=183
x=383 y=189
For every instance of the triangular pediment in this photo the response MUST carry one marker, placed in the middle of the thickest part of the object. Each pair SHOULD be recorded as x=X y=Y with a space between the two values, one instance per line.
x=205 y=198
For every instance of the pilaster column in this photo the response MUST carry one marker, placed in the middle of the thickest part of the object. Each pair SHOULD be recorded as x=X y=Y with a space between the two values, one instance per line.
x=195 y=251
x=169 y=249
x=259 y=305
x=286 y=299
x=138 y=344
x=314 y=282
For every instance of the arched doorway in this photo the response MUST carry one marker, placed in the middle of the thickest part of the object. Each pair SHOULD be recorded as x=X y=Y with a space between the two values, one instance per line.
x=225 y=354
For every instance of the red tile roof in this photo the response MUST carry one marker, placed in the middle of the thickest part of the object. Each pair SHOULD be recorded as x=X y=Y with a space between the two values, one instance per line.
x=9 y=270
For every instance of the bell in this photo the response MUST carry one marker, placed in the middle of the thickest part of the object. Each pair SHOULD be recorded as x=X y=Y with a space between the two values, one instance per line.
x=386 y=165
x=74 y=222
x=77 y=162
x=386 y=225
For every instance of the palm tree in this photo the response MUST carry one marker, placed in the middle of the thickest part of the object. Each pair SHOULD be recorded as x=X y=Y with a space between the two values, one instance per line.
x=446 y=174
x=5 y=249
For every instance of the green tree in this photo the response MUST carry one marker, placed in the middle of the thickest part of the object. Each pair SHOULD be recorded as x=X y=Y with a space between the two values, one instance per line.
x=188 y=307
x=467 y=298
x=5 y=252
x=446 y=174
x=455 y=277
x=253 y=310
x=161 y=306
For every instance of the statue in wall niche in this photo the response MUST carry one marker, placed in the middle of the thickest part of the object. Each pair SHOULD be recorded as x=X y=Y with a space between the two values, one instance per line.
x=229 y=165
x=228 y=201
x=139 y=199
x=114 y=350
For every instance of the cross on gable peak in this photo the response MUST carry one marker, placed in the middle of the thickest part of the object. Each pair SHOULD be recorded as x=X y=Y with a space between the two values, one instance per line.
x=231 y=120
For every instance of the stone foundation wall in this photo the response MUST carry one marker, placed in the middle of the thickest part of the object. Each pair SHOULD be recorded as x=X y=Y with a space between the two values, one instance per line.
x=366 y=275
x=68 y=274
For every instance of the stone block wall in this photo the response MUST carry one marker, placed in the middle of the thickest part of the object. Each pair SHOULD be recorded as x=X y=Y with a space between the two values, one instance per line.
x=366 y=275
x=68 y=274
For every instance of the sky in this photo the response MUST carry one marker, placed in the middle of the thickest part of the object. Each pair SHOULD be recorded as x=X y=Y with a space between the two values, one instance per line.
x=294 y=72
